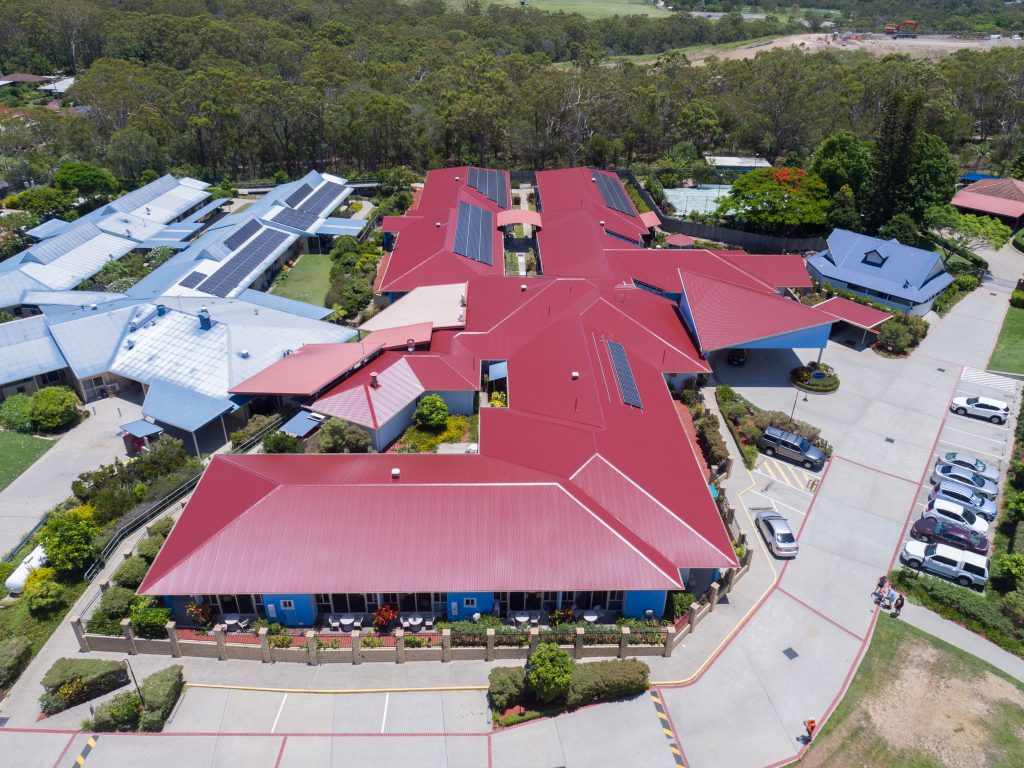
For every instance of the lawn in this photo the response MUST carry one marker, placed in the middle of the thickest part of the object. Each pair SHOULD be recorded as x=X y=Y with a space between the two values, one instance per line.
x=308 y=281
x=592 y=9
x=1008 y=355
x=917 y=701
x=18 y=452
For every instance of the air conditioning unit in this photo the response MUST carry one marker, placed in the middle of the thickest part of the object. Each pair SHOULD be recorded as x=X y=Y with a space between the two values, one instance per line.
x=316 y=417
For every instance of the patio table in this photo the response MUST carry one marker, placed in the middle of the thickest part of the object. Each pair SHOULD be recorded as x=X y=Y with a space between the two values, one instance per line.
x=415 y=620
x=347 y=620
x=590 y=617
x=231 y=621
x=521 y=618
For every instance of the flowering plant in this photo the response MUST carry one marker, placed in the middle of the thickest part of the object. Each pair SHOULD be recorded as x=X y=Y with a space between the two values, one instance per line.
x=383 y=617
x=201 y=614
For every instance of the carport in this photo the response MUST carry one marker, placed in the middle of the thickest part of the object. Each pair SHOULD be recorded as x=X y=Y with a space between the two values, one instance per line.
x=858 y=315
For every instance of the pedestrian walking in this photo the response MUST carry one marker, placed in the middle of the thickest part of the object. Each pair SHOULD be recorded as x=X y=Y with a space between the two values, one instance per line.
x=891 y=597
x=898 y=606
x=809 y=726
x=879 y=589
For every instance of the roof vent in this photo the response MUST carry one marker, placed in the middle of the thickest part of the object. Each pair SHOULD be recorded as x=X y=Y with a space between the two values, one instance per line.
x=132 y=328
x=594 y=179
x=457 y=178
x=161 y=310
x=575 y=375
x=411 y=344
x=244 y=354
x=205 y=323
x=601 y=222
x=129 y=344
x=92 y=307
x=437 y=224
x=522 y=286
x=462 y=317
x=462 y=300
x=147 y=210
x=395 y=473
x=374 y=381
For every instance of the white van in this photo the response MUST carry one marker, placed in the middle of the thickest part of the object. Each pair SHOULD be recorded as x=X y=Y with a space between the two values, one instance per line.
x=968 y=569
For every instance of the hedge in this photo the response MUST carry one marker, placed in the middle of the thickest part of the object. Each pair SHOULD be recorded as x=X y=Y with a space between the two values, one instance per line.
x=115 y=605
x=506 y=686
x=161 y=691
x=15 y=653
x=149 y=547
x=71 y=681
x=162 y=527
x=130 y=573
x=606 y=680
x=121 y=713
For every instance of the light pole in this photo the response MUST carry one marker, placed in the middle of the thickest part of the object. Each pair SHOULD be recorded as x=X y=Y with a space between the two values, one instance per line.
x=793 y=409
x=136 y=682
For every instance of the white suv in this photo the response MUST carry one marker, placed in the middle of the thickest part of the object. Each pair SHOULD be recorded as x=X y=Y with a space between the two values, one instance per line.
x=968 y=569
x=947 y=511
x=995 y=411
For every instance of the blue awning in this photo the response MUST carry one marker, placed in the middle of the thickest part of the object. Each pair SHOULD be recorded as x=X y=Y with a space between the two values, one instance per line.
x=142 y=428
x=181 y=407
x=301 y=424
x=975 y=176
x=209 y=208
x=340 y=227
x=497 y=371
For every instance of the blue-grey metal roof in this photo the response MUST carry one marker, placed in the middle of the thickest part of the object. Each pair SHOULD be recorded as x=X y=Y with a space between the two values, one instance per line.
x=291 y=306
x=339 y=226
x=182 y=407
x=207 y=209
x=142 y=428
x=28 y=350
x=160 y=280
x=48 y=229
x=13 y=285
x=301 y=424
x=80 y=299
x=89 y=340
x=905 y=272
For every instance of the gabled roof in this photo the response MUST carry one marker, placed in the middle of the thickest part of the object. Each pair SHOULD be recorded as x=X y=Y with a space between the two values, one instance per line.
x=28 y=350
x=307 y=370
x=886 y=266
x=854 y=313
x=998 y=197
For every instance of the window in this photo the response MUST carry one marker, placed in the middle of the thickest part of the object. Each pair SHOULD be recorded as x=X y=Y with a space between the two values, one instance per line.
x=874 y=258
x=940 y=560
x=615 y=600
x=287 y=605
x=229 y=604
x=469 y=602
x=245 y=604
x=974 y=570
x=323 y=603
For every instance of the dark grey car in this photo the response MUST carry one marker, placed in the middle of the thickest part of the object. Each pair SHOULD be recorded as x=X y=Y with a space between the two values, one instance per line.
x=774 y=441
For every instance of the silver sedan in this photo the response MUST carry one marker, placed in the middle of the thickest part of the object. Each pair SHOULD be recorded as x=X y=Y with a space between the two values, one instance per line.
x=777 y=533
x=953 y=474
x=968 y=461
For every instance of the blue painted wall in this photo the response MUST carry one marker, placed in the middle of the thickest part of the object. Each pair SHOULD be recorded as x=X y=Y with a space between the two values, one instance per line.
x=459 y=612
x=636 y=601
x=804 y=339
x=393 y=429
x=302 y=615
x=684 y=309
x=457 y=402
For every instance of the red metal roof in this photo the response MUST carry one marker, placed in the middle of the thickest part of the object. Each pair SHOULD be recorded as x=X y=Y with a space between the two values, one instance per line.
x=650 y=219
x=855 y=314
x=307 y=370
x=990 y=204
x=399 y=336
x=679 y=241
x=778 y=270
x=519 y=216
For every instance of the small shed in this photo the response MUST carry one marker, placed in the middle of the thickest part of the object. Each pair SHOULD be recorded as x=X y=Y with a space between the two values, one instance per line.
x=138 y=434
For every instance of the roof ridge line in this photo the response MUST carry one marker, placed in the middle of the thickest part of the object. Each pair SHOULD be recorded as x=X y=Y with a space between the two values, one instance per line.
x=651 y=333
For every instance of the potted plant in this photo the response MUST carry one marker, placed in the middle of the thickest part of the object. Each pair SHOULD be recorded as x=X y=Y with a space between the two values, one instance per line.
x=383 y=617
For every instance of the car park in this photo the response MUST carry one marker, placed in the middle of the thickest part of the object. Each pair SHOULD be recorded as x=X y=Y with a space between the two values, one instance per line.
x=789 y=445
x=964 y=497
x=929 y=529
x=941 y=509
x=777 y=533
x=968 y=461
x=965 y=568
x=995 y=411
x=968 y=477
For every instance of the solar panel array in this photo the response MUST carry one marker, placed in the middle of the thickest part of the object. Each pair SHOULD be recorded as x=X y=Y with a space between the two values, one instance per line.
x=474 y=230
x=247 y=230
x=241 y=265
x=299 y=220
x=624 y=374
x=490 y=184
x=323 y=200
x=192 y=280
x=613 y=194
x=298 y=195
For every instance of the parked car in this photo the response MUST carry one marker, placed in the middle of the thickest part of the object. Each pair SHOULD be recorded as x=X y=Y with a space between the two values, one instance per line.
x=942 y=509
x=963 y=496
x=975 y=482
x=790 y=446
x=737 y=356
x=966 y=460
x=965 y=568
x=959 y=536
x=777 y=533
x=995 y=411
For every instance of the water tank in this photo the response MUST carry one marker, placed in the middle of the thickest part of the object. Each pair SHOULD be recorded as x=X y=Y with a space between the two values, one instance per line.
x=16 y=581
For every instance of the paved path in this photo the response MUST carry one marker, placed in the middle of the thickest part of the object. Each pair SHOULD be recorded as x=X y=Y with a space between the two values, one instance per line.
x=48 y=482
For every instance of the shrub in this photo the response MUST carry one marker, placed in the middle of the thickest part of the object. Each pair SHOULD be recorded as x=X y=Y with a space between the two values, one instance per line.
x=15 y=653
x=372 y=642
x=162 y=526
x=1013 y=607
x=550 y=672
x=149 y=548
x=506 y=686
x=1006 y=570
x=149 y=620
x=279 y=442
x=966 y=283
x=1017 y=299
x=725 y=393
x=121 y=713
x=71 y=681
x=499 y=400
x=161 y=691
x=710 y=440
x=412 y=641
x=507 y=721
x=280 y=641
x=681 y=602
x=383 y=617
x=338 y=436
x=115 y=603
x=431 y=412
x=130 y=573
x=16 y=413
x=256 y=423
x=112 y=503
x=53 y=408
x=606 y=680
x=44 y=597
x=39 y=575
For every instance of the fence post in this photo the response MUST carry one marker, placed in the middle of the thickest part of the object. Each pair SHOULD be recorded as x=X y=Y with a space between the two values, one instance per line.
x=446 y=645
x=357 y=647
x=172 y=635
x=489 y=651
x=534 y=639
x=713 y=597
x=694 y=611
x=577 y=648
x=624 y=642
x=129 y=635
x=104 y=585
x=126 y=554
x=79 y=630
x=400 y=646
x=311 y=647
x=264 y=635
x=222 y=643
x=670 y=641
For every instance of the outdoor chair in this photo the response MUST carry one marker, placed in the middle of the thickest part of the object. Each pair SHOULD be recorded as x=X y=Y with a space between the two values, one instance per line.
x=534 y=619
x=428 y=622
x=358 y=623
x=405 y=622
x=243 y=624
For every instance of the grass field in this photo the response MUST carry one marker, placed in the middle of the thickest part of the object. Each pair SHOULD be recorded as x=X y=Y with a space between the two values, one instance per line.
x=17 y=453
x=308 y=280
x=592 y=9
x=1008 y=355
x=919 y=702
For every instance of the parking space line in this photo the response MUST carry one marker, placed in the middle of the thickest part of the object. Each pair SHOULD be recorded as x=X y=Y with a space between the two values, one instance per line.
x=279 y=711
x=777 y=502
x=816 y=612
x=60 y=758
x=798 y=490
x=879 y=471
x=975 y=434
x=384 y=719
x=280 y=752
x=971 y=450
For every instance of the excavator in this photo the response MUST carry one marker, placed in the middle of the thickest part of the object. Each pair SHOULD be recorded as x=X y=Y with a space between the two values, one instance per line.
x=906 y=28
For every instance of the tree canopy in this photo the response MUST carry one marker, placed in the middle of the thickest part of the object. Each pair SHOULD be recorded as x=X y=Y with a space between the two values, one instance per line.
x=777 y=200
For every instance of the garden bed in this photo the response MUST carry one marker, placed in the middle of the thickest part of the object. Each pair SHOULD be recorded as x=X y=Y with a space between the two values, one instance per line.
x=814 y=377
